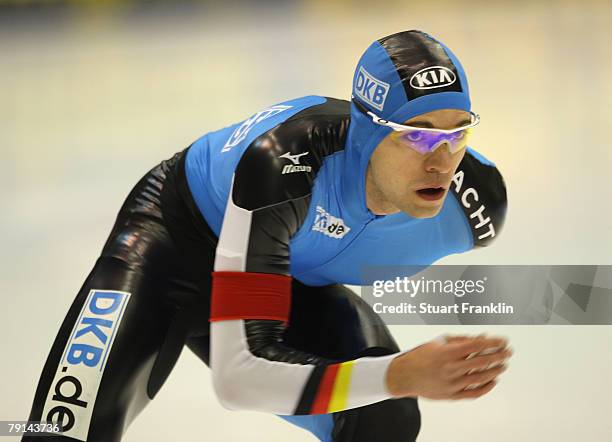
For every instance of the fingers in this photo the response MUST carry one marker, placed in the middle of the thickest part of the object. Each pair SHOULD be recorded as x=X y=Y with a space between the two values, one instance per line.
x=469 y=365
x=456 y=338
x=463 y=348
x=475 y=392
x=450 y=338
x=479 y=363
x=479 y=378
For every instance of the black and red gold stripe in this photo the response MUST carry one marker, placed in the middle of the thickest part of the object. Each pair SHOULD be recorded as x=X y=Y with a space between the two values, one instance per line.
x=327 y=389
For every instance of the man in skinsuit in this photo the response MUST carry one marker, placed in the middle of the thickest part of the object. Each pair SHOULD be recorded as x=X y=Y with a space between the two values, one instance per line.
x=238 y=247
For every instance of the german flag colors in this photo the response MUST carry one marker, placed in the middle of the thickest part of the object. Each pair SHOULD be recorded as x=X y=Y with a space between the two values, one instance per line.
x=327 y=389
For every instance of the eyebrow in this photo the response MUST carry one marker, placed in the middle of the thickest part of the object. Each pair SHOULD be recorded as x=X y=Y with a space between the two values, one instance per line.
x=429 y=125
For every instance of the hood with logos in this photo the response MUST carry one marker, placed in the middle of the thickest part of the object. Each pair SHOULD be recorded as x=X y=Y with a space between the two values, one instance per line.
x=398 y=77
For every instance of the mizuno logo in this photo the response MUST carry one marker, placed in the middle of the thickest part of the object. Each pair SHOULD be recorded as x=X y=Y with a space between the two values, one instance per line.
x=296 y=166
x=329 y=225
x=295 y=159
x=433 y=77
x=370 y=89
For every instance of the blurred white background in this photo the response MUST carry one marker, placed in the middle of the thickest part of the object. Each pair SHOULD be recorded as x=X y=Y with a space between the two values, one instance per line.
x=95 y=95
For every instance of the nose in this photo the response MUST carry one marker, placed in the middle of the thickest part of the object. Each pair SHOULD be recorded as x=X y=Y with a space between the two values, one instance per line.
x=440 y=160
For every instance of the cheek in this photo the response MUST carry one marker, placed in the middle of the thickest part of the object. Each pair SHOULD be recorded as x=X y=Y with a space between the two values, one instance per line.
x=396 y=167
x=403 y=161
x=397 y=178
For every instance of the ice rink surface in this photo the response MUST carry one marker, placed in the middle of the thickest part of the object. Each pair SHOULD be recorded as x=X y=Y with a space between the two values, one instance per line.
x=93 y=98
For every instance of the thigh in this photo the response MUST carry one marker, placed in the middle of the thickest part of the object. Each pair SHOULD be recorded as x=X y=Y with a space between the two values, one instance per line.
x=95 y=377
x=113 y=351
x=334 y=322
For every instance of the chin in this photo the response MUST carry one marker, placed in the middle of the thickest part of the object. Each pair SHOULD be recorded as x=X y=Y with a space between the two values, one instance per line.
x=422 y=212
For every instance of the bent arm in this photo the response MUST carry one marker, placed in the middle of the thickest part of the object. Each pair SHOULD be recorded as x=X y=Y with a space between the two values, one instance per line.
x=252 y=368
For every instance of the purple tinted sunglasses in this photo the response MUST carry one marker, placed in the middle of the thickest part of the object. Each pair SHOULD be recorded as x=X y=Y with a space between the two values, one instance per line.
x=421 y=139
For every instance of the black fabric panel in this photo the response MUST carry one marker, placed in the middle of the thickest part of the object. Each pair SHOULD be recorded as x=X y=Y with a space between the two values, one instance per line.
x=332 y=107
x=334 y=322
x=489 y=184
x=265 y=340
x=179 y=208
x=261 y=178
x=411 y=51
x=393 y=420
x=271 y=230
x=310 y=391
x=187 y=227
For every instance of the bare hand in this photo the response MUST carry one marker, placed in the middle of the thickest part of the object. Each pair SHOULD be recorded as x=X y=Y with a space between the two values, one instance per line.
x=455 y=369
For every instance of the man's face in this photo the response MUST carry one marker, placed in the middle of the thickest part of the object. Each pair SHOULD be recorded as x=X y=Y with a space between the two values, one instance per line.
x=397 y=174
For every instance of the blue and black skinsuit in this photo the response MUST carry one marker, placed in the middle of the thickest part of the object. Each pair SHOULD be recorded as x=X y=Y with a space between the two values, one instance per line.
x=238 y=247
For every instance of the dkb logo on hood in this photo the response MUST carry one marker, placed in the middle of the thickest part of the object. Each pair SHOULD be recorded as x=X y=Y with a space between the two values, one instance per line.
x=370 y=89
x=433 y=77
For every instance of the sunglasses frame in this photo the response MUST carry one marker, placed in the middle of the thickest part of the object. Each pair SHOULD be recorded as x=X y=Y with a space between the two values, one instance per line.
x=404 y=128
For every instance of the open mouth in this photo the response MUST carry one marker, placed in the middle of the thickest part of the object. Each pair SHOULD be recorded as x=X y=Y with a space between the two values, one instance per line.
x=431 y=193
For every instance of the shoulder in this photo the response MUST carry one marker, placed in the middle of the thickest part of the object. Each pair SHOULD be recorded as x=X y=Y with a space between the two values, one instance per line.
x=481 y=191
x=281 y=163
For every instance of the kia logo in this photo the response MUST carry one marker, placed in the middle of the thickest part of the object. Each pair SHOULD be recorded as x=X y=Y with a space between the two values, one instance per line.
x=433 y=77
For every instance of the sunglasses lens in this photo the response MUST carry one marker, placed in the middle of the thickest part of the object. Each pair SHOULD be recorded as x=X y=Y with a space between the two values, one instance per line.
x=427 y=141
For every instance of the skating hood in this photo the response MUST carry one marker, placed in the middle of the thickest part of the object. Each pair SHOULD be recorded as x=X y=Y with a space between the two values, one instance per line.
x=397 y=78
